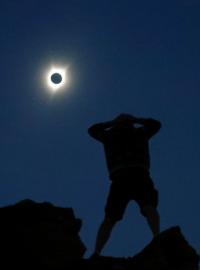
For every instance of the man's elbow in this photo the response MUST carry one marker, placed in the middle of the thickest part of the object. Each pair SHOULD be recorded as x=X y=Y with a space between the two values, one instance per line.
x=95 y=132
x=91 y=131
x=154 y=126
x=157 y=126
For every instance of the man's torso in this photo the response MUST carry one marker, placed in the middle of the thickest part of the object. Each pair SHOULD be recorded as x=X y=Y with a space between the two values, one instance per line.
x=125 y=148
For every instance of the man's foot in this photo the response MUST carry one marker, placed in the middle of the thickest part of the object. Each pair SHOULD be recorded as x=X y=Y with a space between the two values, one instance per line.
x=94 y=256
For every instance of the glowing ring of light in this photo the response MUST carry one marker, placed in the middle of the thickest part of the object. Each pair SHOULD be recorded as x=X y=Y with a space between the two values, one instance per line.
x=53 y=86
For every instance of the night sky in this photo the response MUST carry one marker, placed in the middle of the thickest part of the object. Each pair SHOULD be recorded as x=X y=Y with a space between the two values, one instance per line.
x=138 y=57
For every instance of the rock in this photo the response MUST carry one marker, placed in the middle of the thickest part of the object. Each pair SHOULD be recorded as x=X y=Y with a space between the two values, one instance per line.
x=169 y=250
x=39 y=233
x=43 y=236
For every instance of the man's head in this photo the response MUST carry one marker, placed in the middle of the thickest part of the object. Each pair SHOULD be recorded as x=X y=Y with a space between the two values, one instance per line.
x=124 y=120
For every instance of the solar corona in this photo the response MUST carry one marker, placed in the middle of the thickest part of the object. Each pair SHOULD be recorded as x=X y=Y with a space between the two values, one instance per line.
x=56 y=78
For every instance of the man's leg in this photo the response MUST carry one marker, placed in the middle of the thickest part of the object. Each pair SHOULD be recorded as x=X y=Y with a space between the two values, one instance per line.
x=153 y=218
x=114 y=210
x=103 y=234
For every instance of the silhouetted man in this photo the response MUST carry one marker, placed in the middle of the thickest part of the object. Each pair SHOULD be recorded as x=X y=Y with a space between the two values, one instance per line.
x=125 y=141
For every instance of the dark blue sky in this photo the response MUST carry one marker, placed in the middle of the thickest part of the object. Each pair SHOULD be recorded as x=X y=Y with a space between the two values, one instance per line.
x=139 y=57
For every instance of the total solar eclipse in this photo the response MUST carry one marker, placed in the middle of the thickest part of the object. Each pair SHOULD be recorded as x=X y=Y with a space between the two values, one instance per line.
x=56 y=78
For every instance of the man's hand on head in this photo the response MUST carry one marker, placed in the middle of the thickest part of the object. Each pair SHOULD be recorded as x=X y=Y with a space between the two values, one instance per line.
x=124 y=117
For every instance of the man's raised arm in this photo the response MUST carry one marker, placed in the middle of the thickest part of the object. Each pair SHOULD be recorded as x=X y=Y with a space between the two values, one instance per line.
x=97 y=131
x=150 y=126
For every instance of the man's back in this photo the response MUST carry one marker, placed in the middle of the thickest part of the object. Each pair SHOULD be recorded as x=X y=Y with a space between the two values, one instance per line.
x=126 y=147
x=124 y=144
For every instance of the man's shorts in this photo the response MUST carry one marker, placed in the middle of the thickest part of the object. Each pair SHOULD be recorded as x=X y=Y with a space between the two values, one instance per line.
x=130 y=184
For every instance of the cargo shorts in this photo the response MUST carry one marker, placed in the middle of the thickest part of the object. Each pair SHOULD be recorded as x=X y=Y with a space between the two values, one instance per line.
x=127 y=185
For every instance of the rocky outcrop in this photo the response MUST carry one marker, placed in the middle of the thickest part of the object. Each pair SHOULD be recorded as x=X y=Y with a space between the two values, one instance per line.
x=39 y=234
x=43 y=236
x=168 y=251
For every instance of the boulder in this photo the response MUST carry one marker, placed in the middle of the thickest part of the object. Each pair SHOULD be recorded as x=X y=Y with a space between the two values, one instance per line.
x=40 y=234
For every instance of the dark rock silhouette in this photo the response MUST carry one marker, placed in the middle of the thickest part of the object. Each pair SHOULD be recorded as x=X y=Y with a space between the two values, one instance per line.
x=39 y=233
x=43 y=236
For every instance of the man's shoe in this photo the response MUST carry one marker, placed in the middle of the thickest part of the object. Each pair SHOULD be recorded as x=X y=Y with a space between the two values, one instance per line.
x=94 y=256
